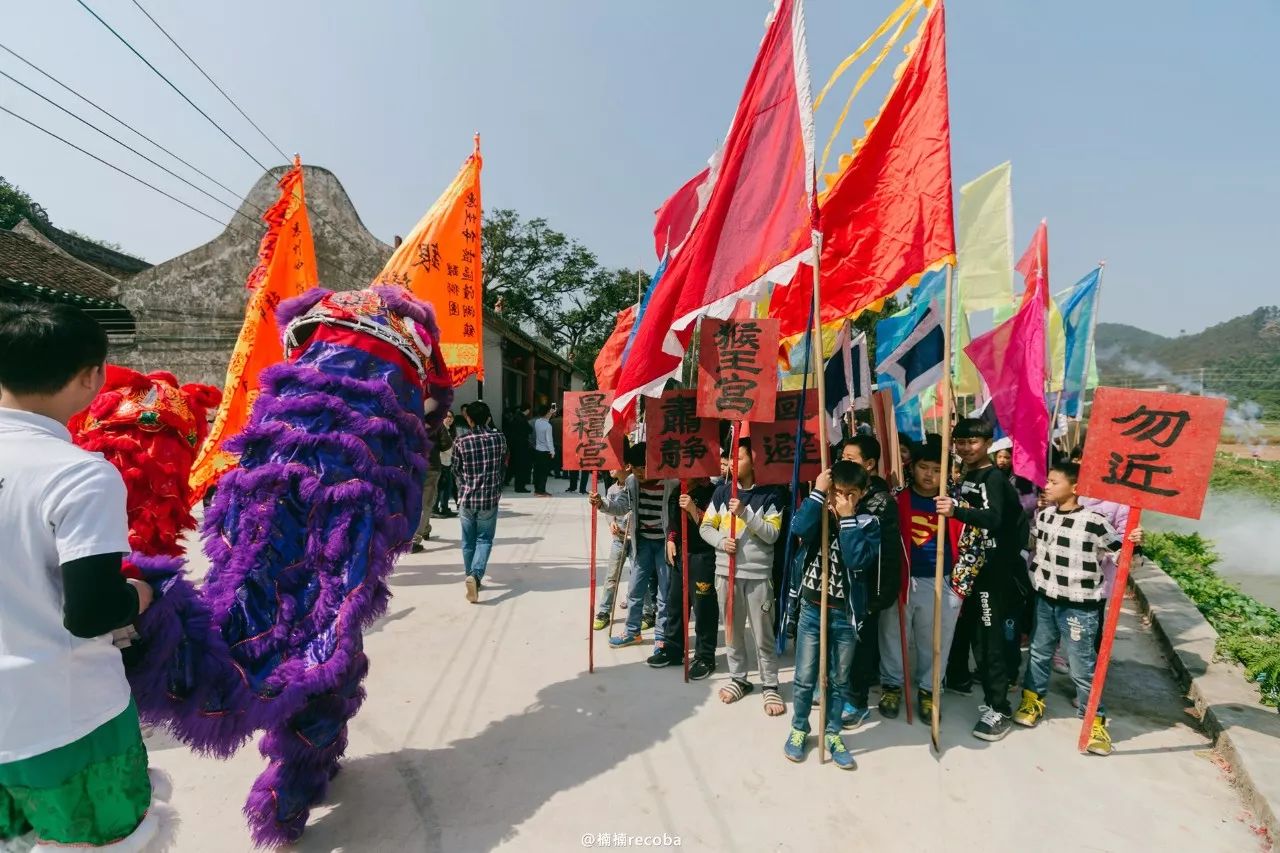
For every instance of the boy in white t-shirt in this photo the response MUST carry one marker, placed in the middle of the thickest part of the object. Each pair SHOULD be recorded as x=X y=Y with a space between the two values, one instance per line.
x=73 y=769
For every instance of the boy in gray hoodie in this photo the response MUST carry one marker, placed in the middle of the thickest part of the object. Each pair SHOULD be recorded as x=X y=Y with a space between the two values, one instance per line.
x=756 y=531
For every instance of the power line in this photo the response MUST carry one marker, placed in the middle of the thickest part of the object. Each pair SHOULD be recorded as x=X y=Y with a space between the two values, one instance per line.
x=174 y=42
x=124 y=145
x=118 y=120
x=112 y=166
x=126 y=43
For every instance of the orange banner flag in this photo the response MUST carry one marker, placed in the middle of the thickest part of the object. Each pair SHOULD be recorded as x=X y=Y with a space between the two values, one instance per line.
x=286 y=268
x=440 y=263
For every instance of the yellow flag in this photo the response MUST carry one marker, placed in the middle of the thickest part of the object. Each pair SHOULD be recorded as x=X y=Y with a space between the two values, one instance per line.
x=966 y=379
x=286 y=268
x=984 y=239
x=439 y=262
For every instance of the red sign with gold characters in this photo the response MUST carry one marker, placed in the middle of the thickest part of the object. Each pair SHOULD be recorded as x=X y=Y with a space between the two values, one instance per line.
x=773 y=445
x=738 y=369
x=679 y=443
x=586 y=447
x=1150 y=449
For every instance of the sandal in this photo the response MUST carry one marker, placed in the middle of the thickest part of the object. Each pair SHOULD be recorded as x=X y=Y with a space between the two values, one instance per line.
x=773 y=704
x=735 y=690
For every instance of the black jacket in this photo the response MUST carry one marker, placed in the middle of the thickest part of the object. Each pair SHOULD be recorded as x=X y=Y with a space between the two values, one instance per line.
x=993 y=505
x=884 y=579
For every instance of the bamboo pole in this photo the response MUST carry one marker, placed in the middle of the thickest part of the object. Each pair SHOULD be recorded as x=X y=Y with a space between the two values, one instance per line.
x=733 y=532
x=824 y=451
x=938 y=662
x=591 y=627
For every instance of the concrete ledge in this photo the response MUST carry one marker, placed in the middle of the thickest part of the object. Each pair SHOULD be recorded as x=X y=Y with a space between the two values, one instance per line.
x=1246 y=732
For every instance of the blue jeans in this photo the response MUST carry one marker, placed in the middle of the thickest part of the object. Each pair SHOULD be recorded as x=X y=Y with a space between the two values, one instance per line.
x=649 y=568
x=1078 y=628
x=617 y=559
x=478 y=527
x=841 y=641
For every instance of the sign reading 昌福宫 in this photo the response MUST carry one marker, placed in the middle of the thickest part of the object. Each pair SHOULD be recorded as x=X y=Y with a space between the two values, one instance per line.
x=586 y=447
x=1150 y=449
x=738 y=369
x=680 y=443
x=773 y=445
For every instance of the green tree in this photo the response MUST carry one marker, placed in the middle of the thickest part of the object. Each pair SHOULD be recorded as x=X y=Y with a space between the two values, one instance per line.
x=530 y=269
x=15 y=205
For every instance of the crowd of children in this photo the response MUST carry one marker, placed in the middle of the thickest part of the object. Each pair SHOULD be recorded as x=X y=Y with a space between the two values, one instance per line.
x=1019 y=568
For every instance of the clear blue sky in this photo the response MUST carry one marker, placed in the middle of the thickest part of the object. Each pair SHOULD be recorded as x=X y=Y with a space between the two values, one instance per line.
x=1146 y=132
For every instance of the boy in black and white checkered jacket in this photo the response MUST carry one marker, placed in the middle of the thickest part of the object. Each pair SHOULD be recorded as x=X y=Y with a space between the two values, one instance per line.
x=1070 y=587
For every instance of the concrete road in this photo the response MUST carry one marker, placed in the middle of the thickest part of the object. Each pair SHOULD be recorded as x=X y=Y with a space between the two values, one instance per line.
x=483 y=730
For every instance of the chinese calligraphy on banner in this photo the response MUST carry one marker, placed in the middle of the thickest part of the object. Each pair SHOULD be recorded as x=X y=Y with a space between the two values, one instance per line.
x=1151 y=450
x=586 y=447
x=773 y=445
x=738 y=369
x=440 y=263
x=681 y=444
x=286 y=268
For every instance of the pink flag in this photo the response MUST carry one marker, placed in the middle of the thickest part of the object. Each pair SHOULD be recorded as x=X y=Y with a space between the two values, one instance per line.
x=753 y=224
x=1011 y=359
x=675 y=217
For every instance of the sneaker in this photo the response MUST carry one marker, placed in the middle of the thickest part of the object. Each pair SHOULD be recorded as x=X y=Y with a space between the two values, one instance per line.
x=623 y=642
x=924 y=704
x=1099 y=738
x=473 y=589
x=701 y=669
x=1030 y=710
x=417 y=548
x=794 y=747
x=852 y=716
x=840 y=756
x=646 y=623
x=963 y=688
x=602 y=621
x=662 y=657
x=992 y=725
x=890 y=702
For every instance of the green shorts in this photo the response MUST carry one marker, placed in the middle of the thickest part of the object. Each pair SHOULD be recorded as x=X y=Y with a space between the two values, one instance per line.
x=91 y=792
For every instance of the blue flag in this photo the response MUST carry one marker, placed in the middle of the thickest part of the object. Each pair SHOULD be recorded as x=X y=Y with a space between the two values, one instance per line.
x=1077 y=307
x=909 y=344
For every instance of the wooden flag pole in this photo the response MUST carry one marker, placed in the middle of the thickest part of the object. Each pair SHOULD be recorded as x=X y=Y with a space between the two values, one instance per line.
x=1109 y=630
x=938 y=662
x=825 y=454
x=684 y=571
x=733 y=532
x=591 y=628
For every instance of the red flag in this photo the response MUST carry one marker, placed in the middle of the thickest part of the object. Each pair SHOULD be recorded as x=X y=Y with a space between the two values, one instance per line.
x=609 y=361
x=755 y=222
x=675 y=217
x=888 y=215
x=1034 y=265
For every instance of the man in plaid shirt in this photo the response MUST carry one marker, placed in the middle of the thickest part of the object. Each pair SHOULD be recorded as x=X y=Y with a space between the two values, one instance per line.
x=479 y=459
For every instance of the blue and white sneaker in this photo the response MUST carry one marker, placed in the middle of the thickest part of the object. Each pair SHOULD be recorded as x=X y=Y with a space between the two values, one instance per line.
x=624 y=641
x=852 y=716
x=794 y=747
x=840 y=756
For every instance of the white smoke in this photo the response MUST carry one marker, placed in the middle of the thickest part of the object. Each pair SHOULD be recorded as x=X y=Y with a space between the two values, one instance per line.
x=1243 y=528
x=1243 y=420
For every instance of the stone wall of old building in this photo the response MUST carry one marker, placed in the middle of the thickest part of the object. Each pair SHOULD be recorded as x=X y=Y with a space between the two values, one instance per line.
x=189 y=309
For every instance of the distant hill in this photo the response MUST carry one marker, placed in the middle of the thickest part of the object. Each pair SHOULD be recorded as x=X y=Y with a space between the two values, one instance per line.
x=1240 y=358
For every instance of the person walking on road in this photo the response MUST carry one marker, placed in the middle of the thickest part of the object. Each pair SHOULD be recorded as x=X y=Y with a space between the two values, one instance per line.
x=478 y=459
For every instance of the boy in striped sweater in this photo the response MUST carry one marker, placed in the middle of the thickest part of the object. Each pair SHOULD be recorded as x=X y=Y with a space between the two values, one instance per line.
x=1070 y=597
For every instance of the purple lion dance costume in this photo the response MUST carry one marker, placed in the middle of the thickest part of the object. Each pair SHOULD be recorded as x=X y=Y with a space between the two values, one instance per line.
x=302 y=538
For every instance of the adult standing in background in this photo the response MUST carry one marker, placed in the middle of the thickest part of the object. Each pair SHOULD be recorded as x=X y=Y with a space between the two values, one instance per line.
x=544 y=450
x=519 y=433
x=441 y=441
x=445 y=492
x=478 y=459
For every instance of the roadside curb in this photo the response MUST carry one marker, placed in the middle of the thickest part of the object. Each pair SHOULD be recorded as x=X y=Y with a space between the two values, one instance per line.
x=1246 y=732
